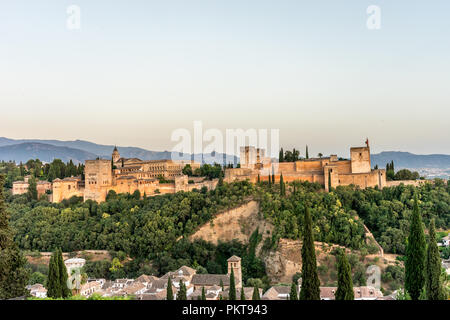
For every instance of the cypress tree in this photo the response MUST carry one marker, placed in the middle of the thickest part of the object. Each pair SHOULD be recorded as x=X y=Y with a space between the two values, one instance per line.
x=310 y=280
x=270 y=180
x=203 y=293
x=232 y=295
x=22 y=169
x=169 y=295
x=221 y=284
x=13 y=274
x=273 y=176
x=53 y=279
x=307 y=153
x=255 y=295
x=293 y=295
x=182 y=292
x=65 y=291
x=242 y=294
x=433 y=267
x=32 y=191
x=282 y=186
x=415 y=255
x=281 y=156
x=345 y=283
x=259 y=179
x=329 y=180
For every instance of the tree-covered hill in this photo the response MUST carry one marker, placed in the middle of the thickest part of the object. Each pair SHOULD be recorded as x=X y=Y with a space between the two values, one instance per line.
x=154 y=231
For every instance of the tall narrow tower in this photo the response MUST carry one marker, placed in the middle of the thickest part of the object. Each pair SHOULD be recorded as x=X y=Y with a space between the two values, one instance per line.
x=234 y=263
x=115 y=155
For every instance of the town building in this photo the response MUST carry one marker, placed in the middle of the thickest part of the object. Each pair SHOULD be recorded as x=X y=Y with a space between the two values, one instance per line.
x=19 y=187
x=37 y=290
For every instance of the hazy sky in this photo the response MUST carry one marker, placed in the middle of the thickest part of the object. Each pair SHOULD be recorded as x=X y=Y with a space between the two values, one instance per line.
x=137 y=70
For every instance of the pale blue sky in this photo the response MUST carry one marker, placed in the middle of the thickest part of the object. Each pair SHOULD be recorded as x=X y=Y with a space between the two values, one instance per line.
x=137 y=70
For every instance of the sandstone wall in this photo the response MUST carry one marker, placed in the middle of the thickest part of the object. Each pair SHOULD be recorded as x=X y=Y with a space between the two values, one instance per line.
x=286 y=261
x=238 y=223
x=415 y=183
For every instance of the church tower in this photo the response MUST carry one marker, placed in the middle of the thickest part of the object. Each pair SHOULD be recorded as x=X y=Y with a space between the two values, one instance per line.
x=115 y=155
x=234 y=263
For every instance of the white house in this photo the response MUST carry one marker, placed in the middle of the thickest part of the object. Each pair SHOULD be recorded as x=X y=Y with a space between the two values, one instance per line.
x=446 y=241
x=37 y=290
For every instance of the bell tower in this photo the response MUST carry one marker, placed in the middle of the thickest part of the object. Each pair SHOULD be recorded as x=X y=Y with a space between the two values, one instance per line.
x=115 y=155
x=234 y=263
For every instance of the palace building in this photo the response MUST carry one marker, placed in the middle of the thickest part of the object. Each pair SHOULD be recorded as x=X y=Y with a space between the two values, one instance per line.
x=153 y=177
x=127 y=175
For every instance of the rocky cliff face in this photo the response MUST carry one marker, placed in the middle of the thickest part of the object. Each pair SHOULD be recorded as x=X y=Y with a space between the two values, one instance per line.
x=286 y=261
x=238 y=223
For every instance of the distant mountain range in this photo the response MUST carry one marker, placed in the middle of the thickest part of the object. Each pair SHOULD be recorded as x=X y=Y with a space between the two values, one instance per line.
x=44 y=152
x=410 y=160
x=79 y=151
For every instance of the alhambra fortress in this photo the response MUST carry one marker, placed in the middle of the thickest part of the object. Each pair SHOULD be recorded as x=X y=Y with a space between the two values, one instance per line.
x=126 y=175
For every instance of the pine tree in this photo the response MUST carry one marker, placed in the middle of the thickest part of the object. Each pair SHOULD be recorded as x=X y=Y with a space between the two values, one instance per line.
x=415 y=255
x=182 y=292
x=203 y=293
x=433 y=267
x=310 y=280
x=255 y=295
x=169 y=295
x=65 y=291
x=293 y=295
x=307 y=153
x=345 y=282
x=232 y=295
x=53 y=279
x=13 y=274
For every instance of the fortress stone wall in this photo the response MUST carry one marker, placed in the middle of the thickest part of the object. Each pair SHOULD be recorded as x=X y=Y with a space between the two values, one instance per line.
x=329 y=171
x=124 y=175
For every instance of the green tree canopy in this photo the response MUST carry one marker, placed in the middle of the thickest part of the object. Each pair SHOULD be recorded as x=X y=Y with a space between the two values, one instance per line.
x=13 y=274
